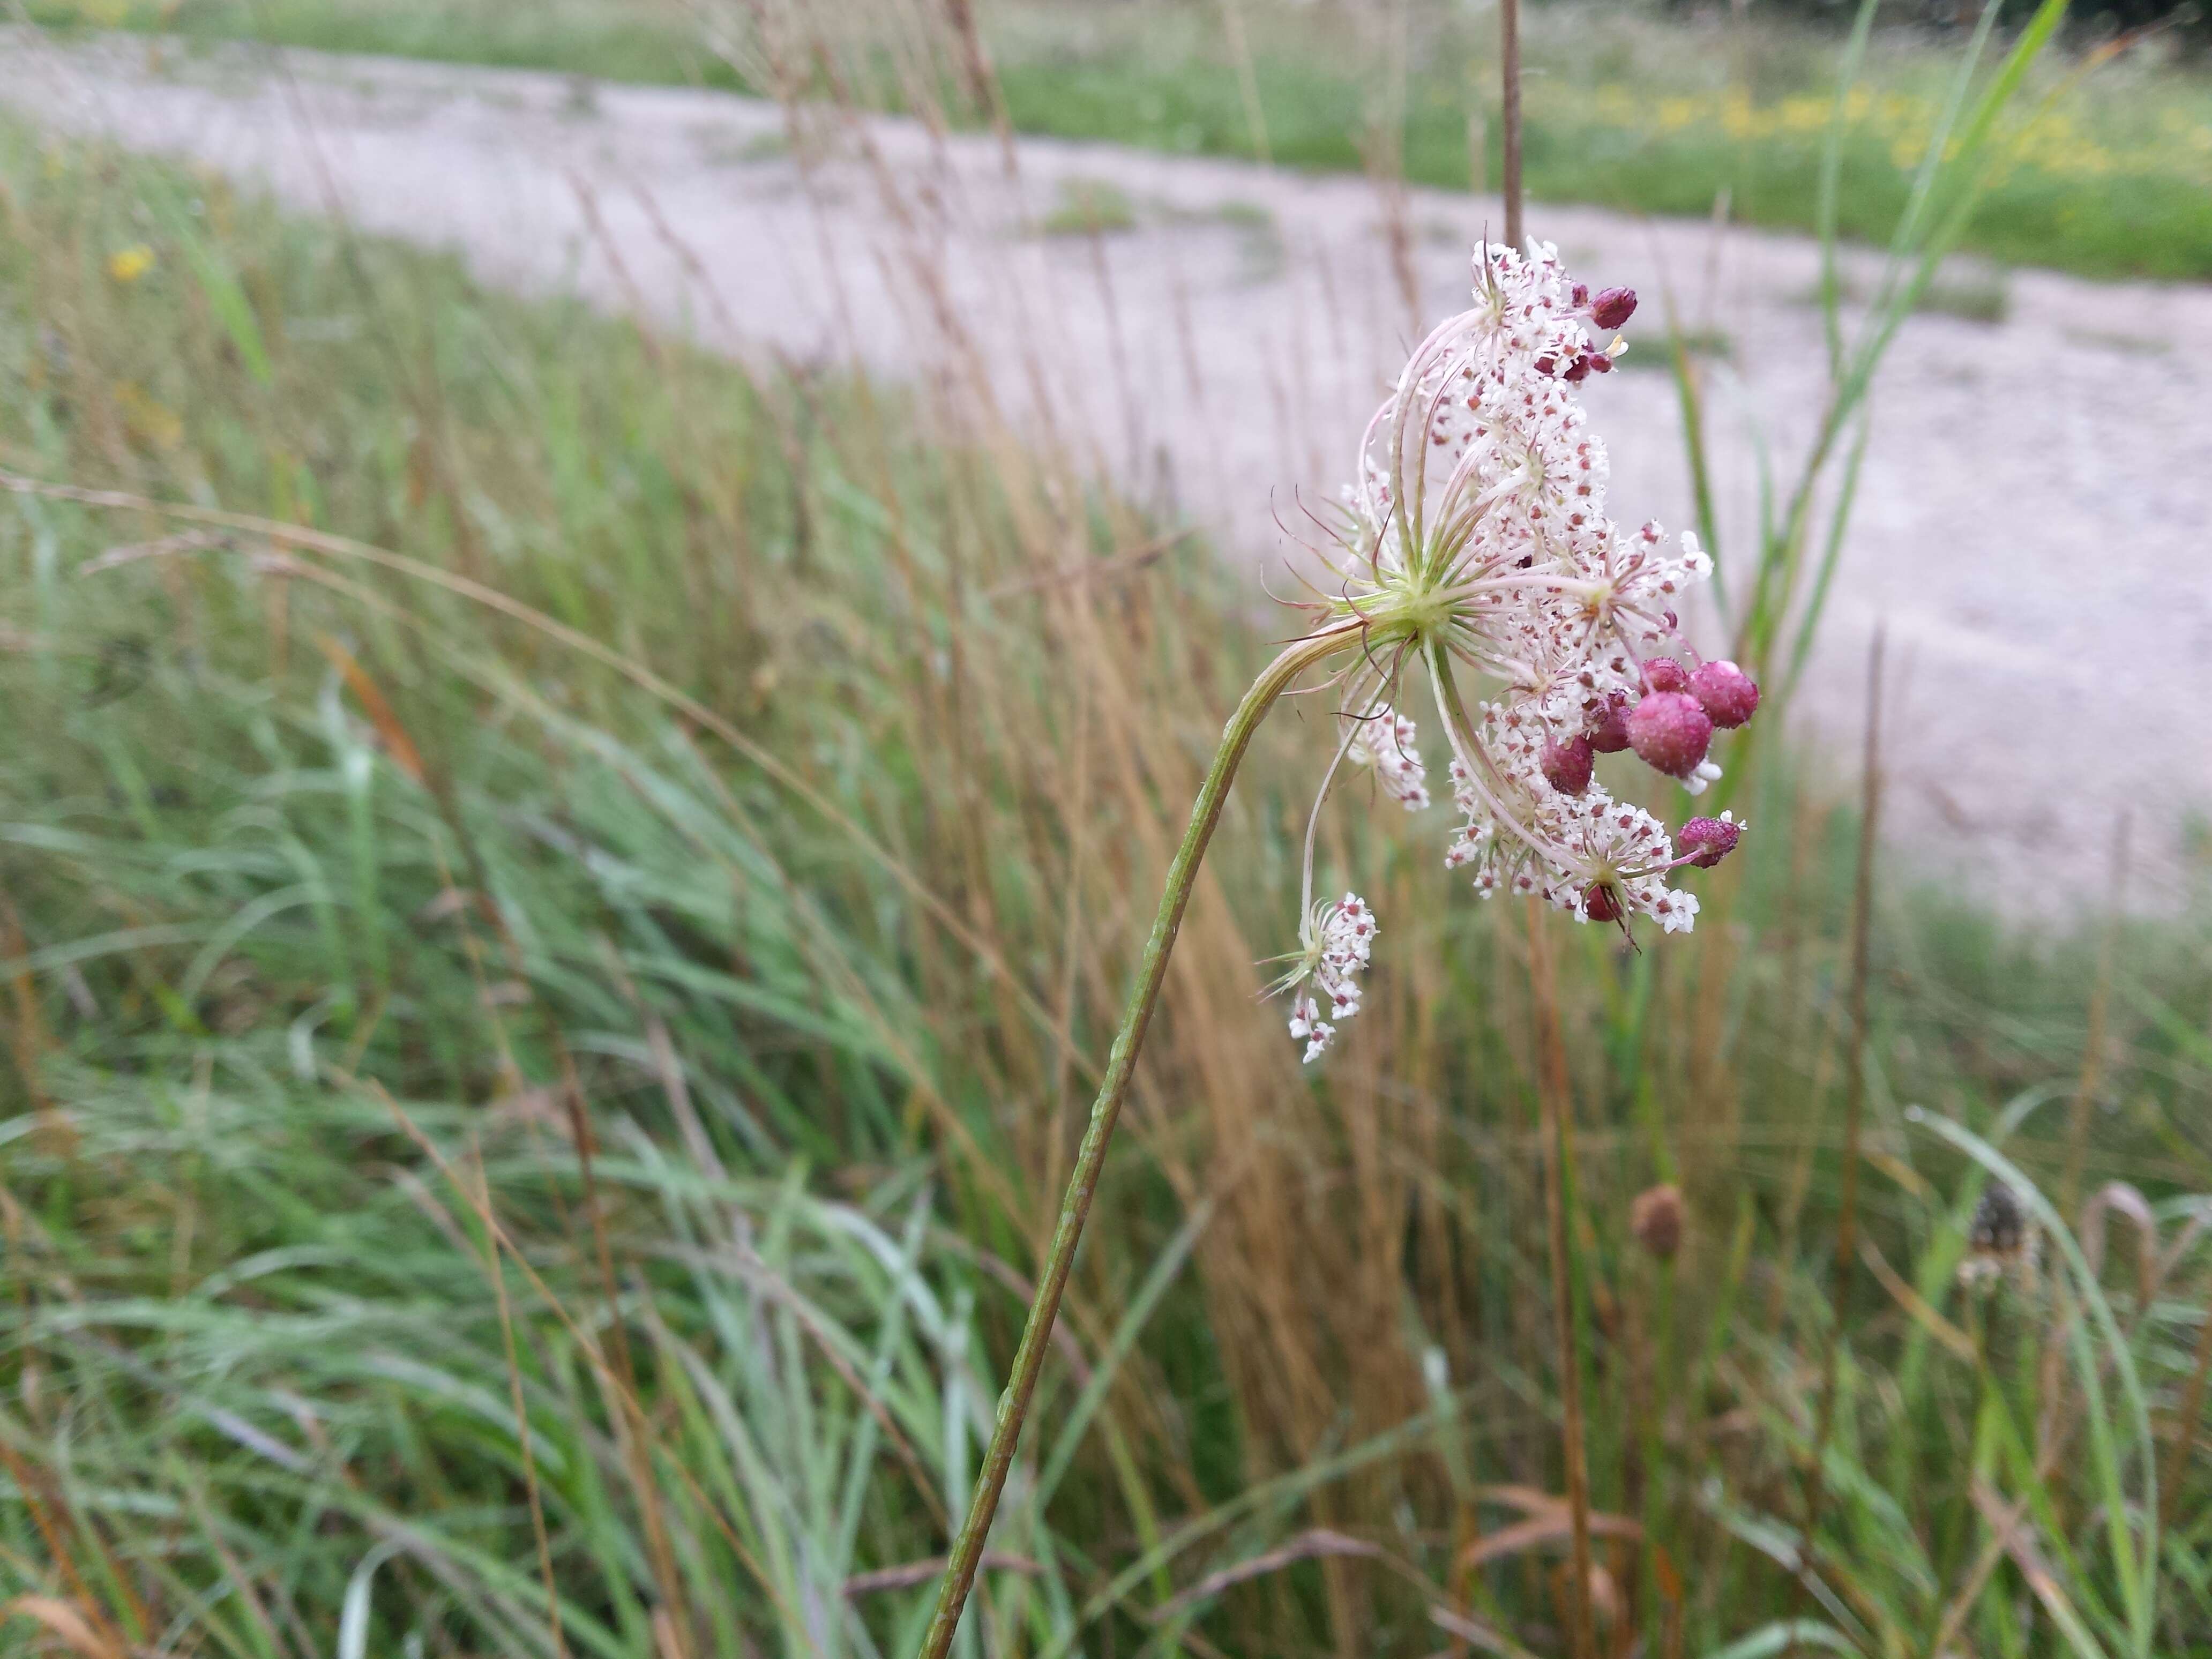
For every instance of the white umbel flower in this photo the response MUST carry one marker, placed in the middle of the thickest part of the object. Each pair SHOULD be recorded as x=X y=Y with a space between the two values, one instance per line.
x=1475 y=538
x=1324 y=981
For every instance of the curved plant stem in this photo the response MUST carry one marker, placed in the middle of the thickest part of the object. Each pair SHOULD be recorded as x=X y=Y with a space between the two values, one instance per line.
x=1075 y=1208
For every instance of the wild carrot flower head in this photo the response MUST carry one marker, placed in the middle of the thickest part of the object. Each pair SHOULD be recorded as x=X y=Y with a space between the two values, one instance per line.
x=1323 y=982
x=1474 y=539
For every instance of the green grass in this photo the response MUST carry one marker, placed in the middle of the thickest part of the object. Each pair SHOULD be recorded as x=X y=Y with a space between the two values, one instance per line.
x=1972 y=293
x=2107 y=170
x=1088 y=207
x=329 y=889
x=2111 y=178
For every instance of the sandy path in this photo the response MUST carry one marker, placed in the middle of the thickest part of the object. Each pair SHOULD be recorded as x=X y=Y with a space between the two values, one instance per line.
x=2032 y=523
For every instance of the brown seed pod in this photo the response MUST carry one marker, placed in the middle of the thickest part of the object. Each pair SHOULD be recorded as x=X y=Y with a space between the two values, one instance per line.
x=1655 y=1218
x=1998 y=1228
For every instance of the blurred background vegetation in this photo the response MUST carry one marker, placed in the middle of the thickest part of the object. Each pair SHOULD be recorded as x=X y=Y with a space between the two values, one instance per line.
x=561 y=901
x=2104 y=162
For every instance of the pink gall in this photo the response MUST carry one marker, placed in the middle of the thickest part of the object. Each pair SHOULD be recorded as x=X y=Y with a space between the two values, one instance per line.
x=1567 y=765
x=1670 y=733
x=1608 y=728
x=1727 y=695
x=1705 y=842
x=1613 y=307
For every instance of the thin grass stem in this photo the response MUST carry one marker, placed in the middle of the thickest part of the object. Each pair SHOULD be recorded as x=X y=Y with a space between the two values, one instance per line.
x=2185 y=1421
x=1846 y=1258
x=2093 y=1048
x=1509 y=59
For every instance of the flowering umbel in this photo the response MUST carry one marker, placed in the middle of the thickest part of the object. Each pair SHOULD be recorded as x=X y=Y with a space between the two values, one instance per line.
x=1324 y=985
x=1474 y=538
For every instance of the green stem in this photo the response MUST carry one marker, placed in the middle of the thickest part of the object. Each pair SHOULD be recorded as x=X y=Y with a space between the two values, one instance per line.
x=1075 y=1208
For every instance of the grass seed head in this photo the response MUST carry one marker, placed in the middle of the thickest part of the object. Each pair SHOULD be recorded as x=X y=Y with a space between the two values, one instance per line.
x=1654 y=1217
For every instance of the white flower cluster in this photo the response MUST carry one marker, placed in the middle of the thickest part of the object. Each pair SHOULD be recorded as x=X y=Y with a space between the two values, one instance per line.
x=1335 y=941
x=1585 y=852
x=1387 y=741
x=1475 y=537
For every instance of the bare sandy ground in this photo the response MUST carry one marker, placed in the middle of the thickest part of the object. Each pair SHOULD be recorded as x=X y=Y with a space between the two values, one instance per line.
x=2032 y=523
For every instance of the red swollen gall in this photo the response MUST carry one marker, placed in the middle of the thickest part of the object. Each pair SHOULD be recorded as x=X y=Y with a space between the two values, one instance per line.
x=1705 y=842
x=1567 y=765
x=1727 y=695
x=1608 y=728
x=1613 y=307
x=1669 y=732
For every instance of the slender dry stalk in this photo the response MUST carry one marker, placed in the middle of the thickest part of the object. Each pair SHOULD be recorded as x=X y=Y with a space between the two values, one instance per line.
x=981 y=79
x=1509 y=55
x=1556 y=1091
x=37 y=1497
x=2056 y=1426
x=2093 y=1049
x=495 y=1269
x=27 y=1043
x=1846 y=1258
x=1248 y=81
x=2002 y=1527
x=2185 y=1424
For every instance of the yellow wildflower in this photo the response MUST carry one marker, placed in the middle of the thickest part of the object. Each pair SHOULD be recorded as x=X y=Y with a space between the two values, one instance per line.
x=129 y=265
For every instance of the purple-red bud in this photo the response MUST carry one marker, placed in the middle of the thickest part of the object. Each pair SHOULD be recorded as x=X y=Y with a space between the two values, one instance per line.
x=1578 y=370
x=1601 y=902
x=1669 y=732
x=1705 y=842
x=1601 y=362
x=1613 y=307
x=1727 y=695
x=1580 y=294
x=1609 y=727
x=1665 y=674
x=1567 y=765
x=1546 y=364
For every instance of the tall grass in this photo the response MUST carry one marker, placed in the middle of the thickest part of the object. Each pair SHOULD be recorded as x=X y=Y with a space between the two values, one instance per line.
x=712 y=814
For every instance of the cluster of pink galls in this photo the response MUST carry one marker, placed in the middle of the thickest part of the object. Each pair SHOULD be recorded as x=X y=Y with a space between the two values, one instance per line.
x=1670 y=728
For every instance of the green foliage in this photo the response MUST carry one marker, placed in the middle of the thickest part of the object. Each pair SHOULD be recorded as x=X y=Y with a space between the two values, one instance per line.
x=2106 y=166
x=1088 y=207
